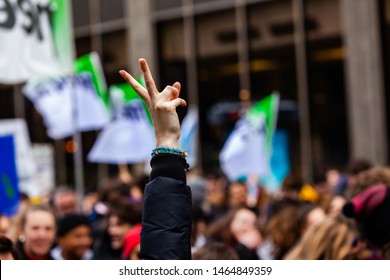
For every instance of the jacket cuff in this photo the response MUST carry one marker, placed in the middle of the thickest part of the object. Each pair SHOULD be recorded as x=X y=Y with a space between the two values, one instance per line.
x=168 y=165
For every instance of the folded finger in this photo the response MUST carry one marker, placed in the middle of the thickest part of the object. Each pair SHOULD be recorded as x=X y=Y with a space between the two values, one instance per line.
x=169 y=93
x=178 y=102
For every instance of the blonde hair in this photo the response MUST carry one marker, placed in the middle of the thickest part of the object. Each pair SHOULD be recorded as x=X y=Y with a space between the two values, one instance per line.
x=329 y=240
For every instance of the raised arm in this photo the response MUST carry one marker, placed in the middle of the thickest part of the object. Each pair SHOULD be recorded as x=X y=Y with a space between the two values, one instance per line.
x=166 y=221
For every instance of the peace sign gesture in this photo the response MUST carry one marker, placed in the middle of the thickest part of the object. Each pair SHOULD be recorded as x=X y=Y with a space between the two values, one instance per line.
x=162 y=106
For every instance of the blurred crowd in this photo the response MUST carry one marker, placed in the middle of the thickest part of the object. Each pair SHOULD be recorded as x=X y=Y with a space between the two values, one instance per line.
x=342 y=214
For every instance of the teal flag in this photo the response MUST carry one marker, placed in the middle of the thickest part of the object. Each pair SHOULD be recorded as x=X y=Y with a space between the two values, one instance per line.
x=9 y=189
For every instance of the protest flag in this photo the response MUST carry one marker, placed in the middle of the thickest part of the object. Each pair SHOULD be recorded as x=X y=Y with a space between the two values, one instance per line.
x=129 y=137
x=43 y=49
x=9 y=190
x=247 y=150
x=189 y=135
x=72 y=103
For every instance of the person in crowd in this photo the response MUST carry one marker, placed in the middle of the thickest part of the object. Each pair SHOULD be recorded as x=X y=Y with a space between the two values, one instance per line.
x=65 y=201
x=73 y=238
x=215 y=202
x=7 y=249
x=112 y=192
x=239 y=230
x=370 y=177
x=354 y=167
x=327 y=240
x=288 y=196
x=335 y=205
x=166 y=219
x=287 y=227
x=237 y=194
x=38 y=229
x=370 y=209
x=215 y=251
x=309 y=214
x=122 y=218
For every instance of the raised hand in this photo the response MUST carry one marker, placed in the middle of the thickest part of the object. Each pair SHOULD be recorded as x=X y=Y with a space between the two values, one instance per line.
x=162 y=106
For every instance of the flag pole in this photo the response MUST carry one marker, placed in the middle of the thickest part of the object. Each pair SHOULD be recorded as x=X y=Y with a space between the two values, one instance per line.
x=78 y=163
x=251 y=180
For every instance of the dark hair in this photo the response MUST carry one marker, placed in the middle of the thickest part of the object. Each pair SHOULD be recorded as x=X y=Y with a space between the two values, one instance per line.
x=292 y=182
x=358 y=165
x=6 y=246
x=215 y=251
x=127 y=212
x=69 y=222
x=113 y=190
x=220 y=229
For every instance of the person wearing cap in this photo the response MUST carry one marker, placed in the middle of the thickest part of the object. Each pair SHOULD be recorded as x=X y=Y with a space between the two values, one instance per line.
x=370 y=209
x=166 y=217
x=73 y=238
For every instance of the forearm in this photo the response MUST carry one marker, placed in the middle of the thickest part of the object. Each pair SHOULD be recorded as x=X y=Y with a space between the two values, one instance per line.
x=167 y=211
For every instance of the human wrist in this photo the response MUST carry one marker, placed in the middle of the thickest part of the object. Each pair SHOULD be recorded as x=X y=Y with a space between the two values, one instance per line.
x=171 y=141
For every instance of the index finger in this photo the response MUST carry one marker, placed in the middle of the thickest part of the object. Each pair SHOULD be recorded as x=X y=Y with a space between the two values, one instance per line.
x=150 y=85
x=135 y=85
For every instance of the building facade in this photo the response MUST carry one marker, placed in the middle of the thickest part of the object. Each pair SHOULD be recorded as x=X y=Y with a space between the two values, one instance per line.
x=328 y=59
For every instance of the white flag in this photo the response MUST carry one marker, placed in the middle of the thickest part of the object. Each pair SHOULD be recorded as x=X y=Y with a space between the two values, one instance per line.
x=129 y=137
x=247 y=151
x=36 y=39
x=189 y=135
x=244 y=150
x=68 y=104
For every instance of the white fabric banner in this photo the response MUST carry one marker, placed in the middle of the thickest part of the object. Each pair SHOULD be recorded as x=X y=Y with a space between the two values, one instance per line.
x=54 y=100
x=128 y=138
x=189 y=135
x=27 y=49
x=244 y=151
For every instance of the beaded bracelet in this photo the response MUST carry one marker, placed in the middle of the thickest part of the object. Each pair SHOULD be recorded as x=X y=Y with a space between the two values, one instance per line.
x=168 y=150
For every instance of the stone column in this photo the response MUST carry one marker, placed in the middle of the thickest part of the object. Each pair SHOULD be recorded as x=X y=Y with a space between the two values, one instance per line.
x=365 y=84
x=140 y=35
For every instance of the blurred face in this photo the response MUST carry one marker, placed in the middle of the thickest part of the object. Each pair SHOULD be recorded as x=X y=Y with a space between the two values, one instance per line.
x=76 y=242
x=39 y=233
x=243 y=227
x=66 y=204
x=336 y=205
x=237 y=194
x=6 y=256
x=117 y=230
x=243 y=221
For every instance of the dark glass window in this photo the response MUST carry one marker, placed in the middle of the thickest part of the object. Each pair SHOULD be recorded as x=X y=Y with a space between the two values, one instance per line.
x=81 y=13
x=166 y=4
x=112 y=10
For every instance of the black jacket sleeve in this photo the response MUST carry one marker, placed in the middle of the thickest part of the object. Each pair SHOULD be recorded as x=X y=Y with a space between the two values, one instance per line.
x=166 y=220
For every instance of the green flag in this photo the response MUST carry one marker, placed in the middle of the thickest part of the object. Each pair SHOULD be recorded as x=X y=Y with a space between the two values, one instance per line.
x=268 y=109
x=91 y=64
x=129 y=94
